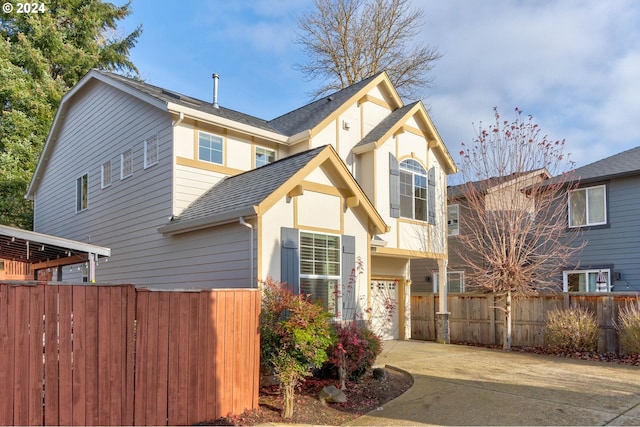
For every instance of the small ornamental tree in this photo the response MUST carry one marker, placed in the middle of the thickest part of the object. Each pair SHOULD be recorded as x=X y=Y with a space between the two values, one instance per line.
x=514 y=215
x=295 y=335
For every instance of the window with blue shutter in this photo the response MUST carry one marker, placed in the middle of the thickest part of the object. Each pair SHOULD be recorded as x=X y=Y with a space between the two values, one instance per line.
x=431 y=195
x=394 y=186
x=290 y=258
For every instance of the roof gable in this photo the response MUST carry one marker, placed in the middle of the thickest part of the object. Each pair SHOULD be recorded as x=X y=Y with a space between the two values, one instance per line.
x=396 y=123
x=494 y=183
x=254 y=192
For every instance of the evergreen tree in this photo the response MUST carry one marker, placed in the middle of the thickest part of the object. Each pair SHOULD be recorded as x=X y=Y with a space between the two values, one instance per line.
x=42 y=56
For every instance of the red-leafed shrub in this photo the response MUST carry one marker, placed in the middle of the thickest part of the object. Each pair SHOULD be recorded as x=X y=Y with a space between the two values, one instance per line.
x=354 y=351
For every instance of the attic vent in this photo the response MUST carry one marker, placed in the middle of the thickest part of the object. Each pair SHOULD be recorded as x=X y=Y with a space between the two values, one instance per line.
x=171 y=94
x=330 y=98
x=181 y=97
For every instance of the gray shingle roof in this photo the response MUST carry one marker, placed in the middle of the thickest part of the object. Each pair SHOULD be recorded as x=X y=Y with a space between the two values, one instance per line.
x=187 y=101
x=312 y=114
x=387 y=123
x=621 y=164
x=245 y=190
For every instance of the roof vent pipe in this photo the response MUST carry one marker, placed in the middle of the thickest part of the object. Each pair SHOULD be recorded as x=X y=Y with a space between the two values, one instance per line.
x=215 y=89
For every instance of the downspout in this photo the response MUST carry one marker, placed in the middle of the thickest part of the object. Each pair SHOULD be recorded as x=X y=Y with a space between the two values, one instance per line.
x=246 y=224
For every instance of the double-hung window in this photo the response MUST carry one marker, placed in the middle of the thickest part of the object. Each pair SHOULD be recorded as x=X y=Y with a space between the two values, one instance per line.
x=264 y=156
x=453 y=220
x=106 y=174
x=587 y=280
x=126 y=164
x=588 y=206
x=320 y=269
x=210 y=148
x=413 y=190
x=151 y=151
x=82 y=193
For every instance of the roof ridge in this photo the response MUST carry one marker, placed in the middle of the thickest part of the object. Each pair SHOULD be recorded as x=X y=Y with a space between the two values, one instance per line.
x=324 y=97
x=133 y=82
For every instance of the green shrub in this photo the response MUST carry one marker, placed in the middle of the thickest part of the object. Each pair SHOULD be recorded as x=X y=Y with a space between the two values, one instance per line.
x=571 y=330
x=294 y=336
x=628 y=328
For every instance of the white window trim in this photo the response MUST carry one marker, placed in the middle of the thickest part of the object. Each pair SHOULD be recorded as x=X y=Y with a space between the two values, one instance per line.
x=147 y=163
x=255 y=154
x=413 y=190
x=338 y=278
x=586 y=198
x=565 y=281
x=200 y=132
x=122 y=175
x=79 y=192
x=457 y=231
x=435 y=280
x=102 y=175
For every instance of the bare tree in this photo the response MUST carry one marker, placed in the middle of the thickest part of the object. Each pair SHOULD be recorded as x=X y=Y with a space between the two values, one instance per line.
x=514 y=235
x=349 y=40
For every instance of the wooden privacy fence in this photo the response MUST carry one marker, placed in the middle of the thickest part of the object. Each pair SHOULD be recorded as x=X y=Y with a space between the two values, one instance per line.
x=114 y=355
x=474 y=318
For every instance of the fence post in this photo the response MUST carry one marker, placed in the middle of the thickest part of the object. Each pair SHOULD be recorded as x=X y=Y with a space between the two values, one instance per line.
x=492 y=319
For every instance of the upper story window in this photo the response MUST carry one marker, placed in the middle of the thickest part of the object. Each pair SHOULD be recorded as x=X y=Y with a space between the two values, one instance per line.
x=264 y=156
x=151 y=151
x=106 y=174
x=413 y=190
x=320 y=256
x=82 y=193
x=453 y=220
x=587 y=206
x=126 y=164
x=587 y=280
x=210 y=148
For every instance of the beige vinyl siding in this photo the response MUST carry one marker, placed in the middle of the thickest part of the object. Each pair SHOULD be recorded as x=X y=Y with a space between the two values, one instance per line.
x=191 y=183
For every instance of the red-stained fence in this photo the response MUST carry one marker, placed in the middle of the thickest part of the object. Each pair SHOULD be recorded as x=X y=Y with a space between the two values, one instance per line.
x=114 y=355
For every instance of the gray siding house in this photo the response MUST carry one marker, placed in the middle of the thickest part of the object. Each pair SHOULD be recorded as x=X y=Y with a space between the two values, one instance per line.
x=606 y=209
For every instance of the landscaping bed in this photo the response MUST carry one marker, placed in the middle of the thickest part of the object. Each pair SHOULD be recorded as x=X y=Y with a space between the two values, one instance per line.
x=363 y=397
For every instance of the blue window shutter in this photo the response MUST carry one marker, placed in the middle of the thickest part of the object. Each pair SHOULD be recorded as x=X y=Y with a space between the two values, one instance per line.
x=431 y=195
x=290 y=258
x=348 y=277
x=394 y=186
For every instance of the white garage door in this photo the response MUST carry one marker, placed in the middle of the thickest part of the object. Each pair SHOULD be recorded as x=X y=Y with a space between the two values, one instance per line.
x=385 y=306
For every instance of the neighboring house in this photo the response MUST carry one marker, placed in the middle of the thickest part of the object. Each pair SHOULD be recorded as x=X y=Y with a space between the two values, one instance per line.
x=606 y=209
x=334 y=198
x=498 y=193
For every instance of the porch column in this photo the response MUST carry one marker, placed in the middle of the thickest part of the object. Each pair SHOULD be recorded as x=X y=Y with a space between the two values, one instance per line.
x=442 y=315
x=92 y=268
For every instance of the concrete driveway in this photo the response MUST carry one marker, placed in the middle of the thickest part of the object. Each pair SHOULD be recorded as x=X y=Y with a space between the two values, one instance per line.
x=460 y=385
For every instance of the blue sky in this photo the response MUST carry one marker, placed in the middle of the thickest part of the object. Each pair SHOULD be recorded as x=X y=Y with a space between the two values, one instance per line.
x=572 y=64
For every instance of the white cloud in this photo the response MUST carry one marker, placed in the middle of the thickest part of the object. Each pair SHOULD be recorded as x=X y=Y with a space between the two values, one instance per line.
x=573 y=64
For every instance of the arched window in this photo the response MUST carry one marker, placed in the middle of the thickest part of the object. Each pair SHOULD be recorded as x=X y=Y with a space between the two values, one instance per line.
x=413 y=190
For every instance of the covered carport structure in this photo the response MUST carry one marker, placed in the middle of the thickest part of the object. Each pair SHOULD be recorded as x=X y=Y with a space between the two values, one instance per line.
x=44 y=251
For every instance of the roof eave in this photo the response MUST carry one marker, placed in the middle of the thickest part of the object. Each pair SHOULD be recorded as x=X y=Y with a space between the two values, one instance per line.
x=207 y=222
x=226 y=123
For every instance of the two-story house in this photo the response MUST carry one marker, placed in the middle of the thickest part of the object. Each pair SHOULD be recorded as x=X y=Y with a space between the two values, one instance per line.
x=606 y=209
x=498 y=193
x=335 y=198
